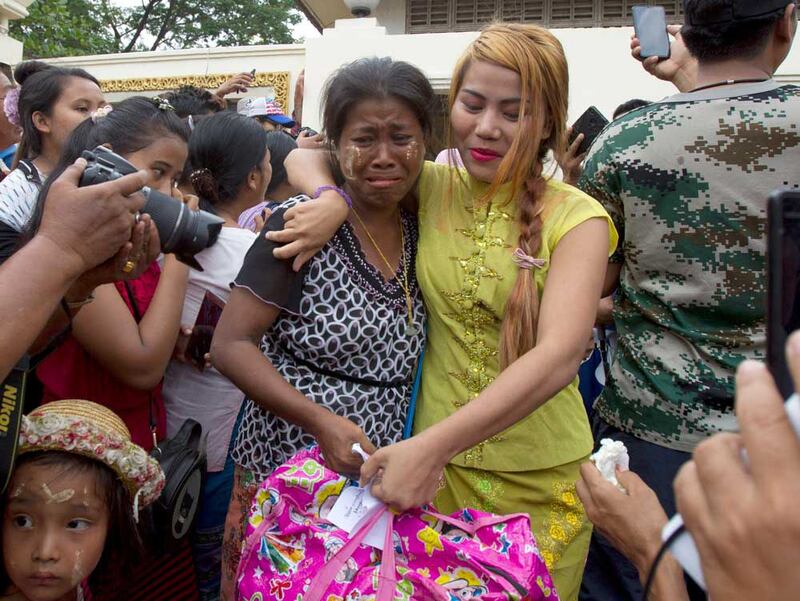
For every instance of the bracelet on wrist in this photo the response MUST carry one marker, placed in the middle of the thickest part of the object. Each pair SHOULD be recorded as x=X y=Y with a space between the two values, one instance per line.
x=336 y=189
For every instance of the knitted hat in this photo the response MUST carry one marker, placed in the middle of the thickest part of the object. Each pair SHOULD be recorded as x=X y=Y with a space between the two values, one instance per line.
x=93 y=431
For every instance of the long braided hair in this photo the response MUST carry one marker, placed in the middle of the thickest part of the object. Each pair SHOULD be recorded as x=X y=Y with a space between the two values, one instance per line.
x=538 y=57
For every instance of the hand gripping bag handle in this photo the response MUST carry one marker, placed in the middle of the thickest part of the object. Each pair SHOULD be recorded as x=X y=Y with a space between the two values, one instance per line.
x=387 y=579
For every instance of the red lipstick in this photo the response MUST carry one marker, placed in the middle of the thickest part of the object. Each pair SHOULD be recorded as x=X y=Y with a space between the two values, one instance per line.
x=483 y=155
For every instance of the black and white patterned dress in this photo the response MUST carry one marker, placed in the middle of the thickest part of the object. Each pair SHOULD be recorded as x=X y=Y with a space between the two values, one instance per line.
x=341 y=340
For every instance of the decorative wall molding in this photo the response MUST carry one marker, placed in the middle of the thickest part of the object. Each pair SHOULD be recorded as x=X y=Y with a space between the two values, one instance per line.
x=14 y=9
x=277 y=80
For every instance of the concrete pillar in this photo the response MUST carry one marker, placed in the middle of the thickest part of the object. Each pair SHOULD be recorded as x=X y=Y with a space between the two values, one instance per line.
x=11 y=49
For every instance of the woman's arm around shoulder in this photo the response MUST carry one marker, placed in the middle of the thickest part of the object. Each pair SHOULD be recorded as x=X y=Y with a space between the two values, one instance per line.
x=567 y=312
x=310 y=225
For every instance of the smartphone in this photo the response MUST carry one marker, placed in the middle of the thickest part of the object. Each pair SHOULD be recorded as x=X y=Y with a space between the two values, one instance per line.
x=783 y=281
x=203 y=330
x=590 y=124
x=253 y=73
x=650 y=25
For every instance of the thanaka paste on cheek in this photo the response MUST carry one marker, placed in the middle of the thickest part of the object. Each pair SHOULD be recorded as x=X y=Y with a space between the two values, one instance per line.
x=77 y=568
x=351 y=159
x=18 y=491
x=413 y=151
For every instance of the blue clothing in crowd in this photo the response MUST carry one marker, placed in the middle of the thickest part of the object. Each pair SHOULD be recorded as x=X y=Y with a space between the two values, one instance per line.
x=7 y=155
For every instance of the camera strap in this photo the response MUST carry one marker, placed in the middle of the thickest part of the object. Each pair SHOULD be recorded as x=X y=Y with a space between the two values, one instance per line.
x=137 y=316
x=12 y=404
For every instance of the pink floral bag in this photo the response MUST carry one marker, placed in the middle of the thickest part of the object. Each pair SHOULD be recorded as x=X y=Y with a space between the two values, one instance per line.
x=292 y=553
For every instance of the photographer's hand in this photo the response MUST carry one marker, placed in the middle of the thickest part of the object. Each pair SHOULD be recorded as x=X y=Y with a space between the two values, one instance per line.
x=308 y=139
x=141 y=250
x=744 y=518
x=91 y=224
x=237 y=83
x=81 y=228
x=570 y=161
x=680 y=68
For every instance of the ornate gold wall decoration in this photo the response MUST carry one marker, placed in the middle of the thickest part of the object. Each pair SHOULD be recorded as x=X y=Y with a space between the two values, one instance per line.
x=277 y=80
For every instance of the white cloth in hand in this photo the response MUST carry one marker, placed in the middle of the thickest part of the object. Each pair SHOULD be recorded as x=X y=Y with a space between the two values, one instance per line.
x=611 y=455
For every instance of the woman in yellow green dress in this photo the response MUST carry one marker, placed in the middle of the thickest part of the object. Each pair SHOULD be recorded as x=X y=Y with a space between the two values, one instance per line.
x=511 y=265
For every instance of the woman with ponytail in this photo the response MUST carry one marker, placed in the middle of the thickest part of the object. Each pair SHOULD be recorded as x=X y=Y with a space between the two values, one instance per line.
x=511 y=264
x=124 y=336
x=48 y=105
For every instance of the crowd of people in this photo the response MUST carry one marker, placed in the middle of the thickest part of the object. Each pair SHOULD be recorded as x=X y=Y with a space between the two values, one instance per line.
x=434 y=312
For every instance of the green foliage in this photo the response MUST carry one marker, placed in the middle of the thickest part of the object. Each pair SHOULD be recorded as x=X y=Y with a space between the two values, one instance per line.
x=78 y=27
x=62 y=28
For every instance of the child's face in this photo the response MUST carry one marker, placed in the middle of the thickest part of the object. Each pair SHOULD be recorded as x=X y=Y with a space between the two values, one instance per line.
x=54 y=530
x=164 y=160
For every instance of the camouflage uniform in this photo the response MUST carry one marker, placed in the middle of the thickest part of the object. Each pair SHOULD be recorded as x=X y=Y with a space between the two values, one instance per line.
x=686 y=181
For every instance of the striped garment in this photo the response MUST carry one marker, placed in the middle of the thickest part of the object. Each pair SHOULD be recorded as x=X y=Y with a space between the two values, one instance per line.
x=17 y=199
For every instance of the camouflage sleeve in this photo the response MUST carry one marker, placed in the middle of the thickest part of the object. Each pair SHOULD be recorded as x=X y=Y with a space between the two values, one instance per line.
x=600 y=180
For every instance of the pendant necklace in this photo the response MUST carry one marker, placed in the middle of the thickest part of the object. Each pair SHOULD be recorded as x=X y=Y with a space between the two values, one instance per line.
x=411 y=328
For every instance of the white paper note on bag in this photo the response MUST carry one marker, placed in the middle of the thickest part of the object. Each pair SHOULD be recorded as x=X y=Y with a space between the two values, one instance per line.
x=352 y=506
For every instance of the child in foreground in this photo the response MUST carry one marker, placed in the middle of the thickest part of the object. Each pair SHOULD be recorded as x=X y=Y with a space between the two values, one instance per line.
x=72 y=502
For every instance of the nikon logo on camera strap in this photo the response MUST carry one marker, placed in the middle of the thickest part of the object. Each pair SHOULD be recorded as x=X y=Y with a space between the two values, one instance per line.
x=8 y=407
x=11 y=407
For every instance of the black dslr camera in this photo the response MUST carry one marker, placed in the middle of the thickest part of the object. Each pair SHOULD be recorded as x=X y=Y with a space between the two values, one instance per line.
x=182 y=231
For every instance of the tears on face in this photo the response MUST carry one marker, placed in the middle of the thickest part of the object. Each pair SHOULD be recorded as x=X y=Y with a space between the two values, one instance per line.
x=381 y=150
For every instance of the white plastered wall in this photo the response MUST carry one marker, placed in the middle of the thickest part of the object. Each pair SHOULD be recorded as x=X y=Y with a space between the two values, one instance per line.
x=602 y=72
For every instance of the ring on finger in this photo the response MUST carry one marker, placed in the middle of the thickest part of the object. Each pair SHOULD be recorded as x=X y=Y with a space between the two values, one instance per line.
x=129 y=266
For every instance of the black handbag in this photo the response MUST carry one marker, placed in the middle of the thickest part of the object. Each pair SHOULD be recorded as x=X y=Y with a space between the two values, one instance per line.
x=183 y=460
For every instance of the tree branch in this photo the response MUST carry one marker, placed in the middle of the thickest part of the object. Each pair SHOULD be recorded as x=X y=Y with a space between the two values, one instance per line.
x=165 y=24
x=142 y=22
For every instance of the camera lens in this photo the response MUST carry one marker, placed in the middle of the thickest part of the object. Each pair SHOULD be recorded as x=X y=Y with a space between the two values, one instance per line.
x=182 y=231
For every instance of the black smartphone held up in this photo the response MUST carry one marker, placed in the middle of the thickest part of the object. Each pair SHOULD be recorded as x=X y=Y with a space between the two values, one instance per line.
x=203 y=330
x=650 y=25
x=590 y=124
x=783 y=281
